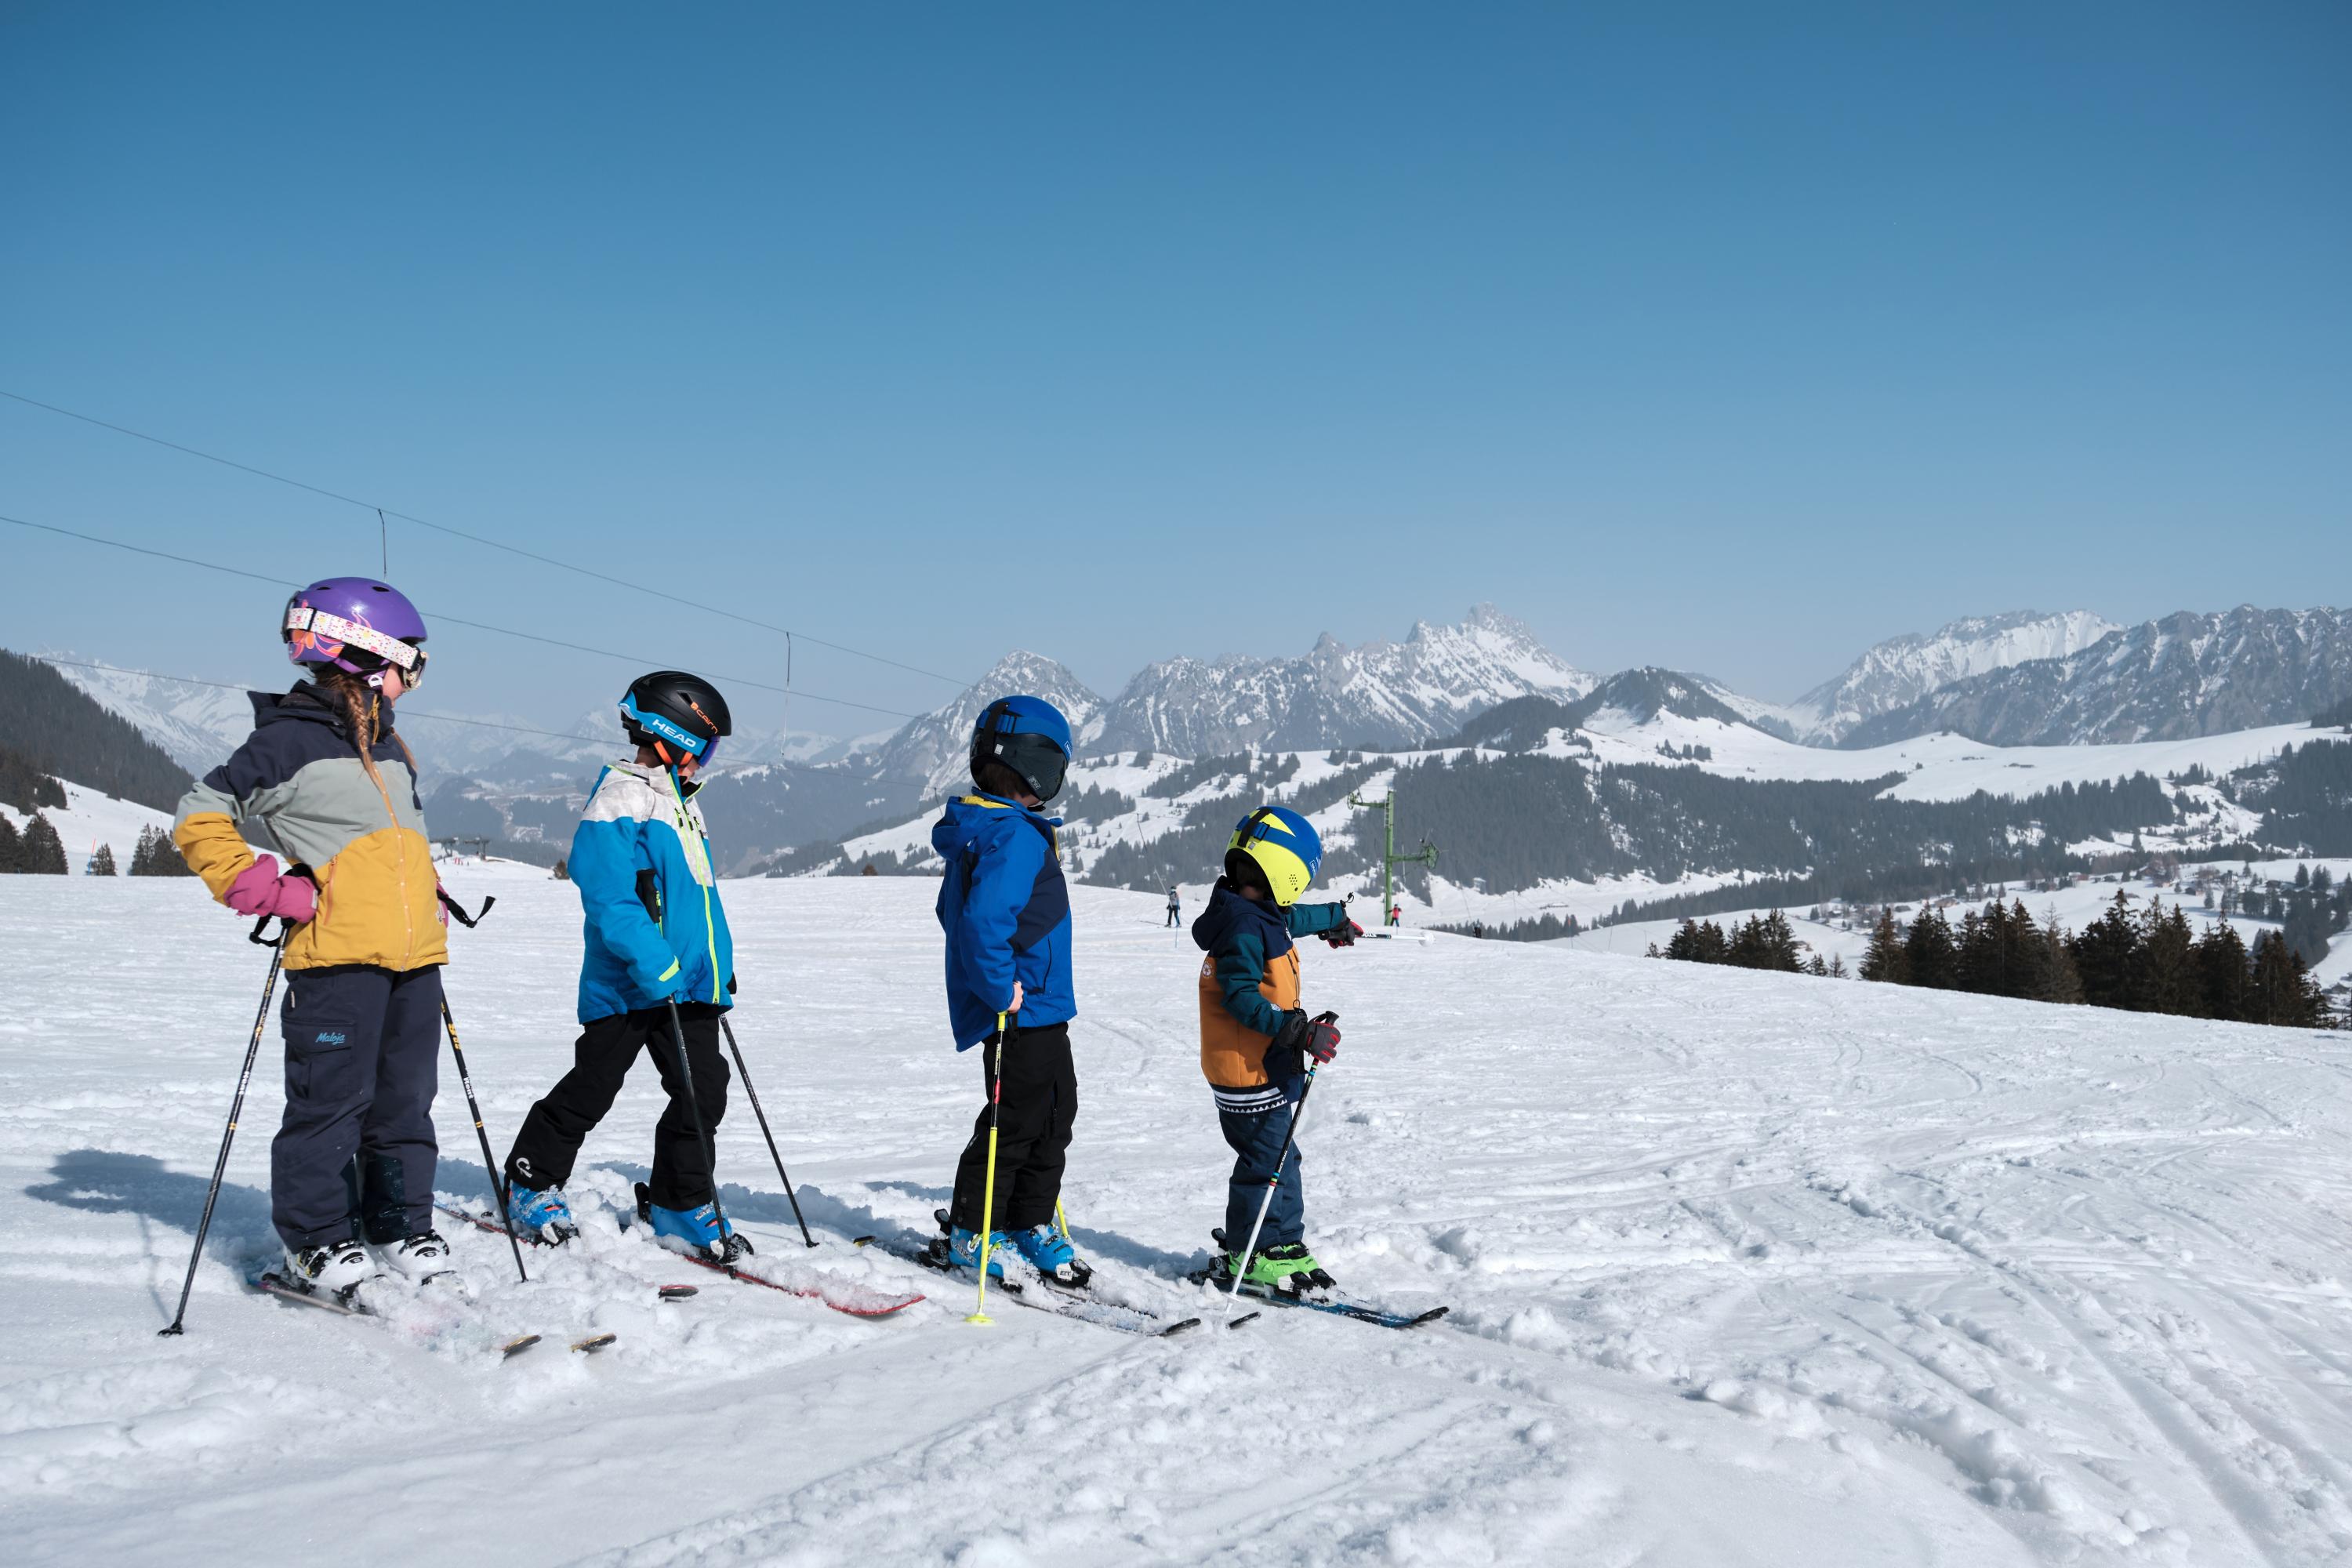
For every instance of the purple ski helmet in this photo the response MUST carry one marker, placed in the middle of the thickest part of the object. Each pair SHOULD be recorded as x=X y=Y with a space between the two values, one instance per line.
x=358 y=625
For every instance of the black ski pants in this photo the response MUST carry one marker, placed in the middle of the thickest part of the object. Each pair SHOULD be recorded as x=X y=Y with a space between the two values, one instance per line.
x=560 y=1124
x=355 y=1151
x=1040 y=1106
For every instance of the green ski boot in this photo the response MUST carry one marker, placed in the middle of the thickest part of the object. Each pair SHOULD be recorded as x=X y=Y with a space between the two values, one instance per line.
x=1289 y=1271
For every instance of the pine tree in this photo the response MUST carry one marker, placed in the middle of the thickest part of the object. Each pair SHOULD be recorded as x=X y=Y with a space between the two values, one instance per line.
x=2061 y=980
x=2162 y=979
x=1837 y=966
x=155 y=856
x=2103 y=955
x=2223 y=980
x=1885 y=960
x=11 y=847
x=43 y=853
x=102 y=863
x=1928 y=955
x=2283 y=993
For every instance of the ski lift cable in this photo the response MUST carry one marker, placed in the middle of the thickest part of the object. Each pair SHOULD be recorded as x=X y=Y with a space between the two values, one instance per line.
x=638 y=659
x=634 y=588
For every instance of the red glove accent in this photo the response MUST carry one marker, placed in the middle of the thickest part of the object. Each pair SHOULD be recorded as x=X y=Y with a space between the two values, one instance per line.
x=1343 y=935
x=1321 y=1039
x=260 y=890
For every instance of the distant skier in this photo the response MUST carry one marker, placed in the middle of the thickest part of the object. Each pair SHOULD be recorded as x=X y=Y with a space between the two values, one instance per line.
x=1479 y=928
x=1396 y=914
x=1175 y=908
x=362 y=1019
x=1005 y=911
x=655 y=934
x=1255 y=1037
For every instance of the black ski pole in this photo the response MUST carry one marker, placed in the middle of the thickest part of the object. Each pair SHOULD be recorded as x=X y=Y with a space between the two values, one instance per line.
x=489 y=1161
x=702 y=1136
x=1289 y=1136
x=235 y=1107
x=744 y=1073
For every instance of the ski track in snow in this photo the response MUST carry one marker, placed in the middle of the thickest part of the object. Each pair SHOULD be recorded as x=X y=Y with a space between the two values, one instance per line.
x=1745 y=1268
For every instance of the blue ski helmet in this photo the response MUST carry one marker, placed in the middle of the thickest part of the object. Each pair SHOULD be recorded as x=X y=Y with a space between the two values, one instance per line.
x=1027 y=735
x=1285 y=847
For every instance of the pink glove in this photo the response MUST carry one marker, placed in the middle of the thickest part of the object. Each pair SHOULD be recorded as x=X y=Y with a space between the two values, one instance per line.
x=260 y=890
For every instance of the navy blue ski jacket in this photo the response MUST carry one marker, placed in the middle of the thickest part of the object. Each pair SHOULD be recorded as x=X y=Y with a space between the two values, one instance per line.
x=1006 y=913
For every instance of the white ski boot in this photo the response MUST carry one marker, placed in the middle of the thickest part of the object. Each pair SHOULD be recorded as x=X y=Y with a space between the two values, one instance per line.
x=420 y=1256
x=330 y=1268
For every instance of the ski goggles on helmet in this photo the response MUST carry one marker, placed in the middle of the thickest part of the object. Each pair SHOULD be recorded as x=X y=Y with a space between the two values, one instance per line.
x=323 y=637
x=668 y=731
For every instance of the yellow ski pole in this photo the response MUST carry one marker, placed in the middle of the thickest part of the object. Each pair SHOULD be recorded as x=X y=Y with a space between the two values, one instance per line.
x=988 y=1194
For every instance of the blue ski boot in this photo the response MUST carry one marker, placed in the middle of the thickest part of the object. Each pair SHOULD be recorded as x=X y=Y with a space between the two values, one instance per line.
x=699 y=1229
x=1049 y=1252
x=964 y=1252
x=542 y=1214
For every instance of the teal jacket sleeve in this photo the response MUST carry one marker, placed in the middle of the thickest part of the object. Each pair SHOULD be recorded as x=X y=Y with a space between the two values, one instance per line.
x=604 y=867
x=1314 y=919
x=1240 y=968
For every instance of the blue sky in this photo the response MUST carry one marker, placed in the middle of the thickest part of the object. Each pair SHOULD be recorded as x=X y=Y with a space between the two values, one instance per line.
x=1731 y=338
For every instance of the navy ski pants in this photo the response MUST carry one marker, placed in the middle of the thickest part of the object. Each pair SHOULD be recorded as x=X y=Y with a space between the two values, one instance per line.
x=363 y=1057
x=1255 y=1121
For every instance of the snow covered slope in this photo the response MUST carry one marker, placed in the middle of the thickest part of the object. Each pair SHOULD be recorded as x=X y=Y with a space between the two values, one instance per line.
x=1745 y=1268
x=91 y=819
x=196 y=726
x=1901 y=671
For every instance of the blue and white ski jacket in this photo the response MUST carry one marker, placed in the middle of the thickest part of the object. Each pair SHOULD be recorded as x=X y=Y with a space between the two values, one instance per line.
x=1006 y=912
x=655 y=930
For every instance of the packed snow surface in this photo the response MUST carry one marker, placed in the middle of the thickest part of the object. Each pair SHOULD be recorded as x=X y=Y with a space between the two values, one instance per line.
x=1745 y=1268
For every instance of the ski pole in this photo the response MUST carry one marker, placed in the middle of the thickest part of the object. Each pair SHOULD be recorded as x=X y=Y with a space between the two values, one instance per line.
x=489 y=1161
x=988 y=1193
x=1290 y=1136
x=745 y=1074
x=702 y=1136
x=235 y=1107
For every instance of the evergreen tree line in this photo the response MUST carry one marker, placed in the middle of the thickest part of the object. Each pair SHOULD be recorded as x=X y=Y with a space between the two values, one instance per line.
x=2305 y=796
x=1763 y=942
x=2148 y=961
x=34 y=850
x=26 y=787
x=61 y=732
x=1196 y=851
x=1272 y=768
x=155 y=856
x=1517 y=821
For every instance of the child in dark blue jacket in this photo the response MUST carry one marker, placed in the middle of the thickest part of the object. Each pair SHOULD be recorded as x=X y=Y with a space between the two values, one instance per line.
x=1006 y=913
x=656 y=939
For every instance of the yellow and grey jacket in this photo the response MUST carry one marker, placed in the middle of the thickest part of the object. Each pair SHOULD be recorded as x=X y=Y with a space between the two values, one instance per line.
x=300 y=777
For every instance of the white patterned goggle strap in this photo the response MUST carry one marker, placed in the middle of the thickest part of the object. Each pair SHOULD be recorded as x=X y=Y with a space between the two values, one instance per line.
x=331 y=627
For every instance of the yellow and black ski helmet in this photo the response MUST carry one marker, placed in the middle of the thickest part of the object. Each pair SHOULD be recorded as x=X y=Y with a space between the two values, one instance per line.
x=1284 y=845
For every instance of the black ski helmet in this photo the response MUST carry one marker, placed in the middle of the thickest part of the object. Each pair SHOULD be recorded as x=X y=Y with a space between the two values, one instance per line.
x=678 y=714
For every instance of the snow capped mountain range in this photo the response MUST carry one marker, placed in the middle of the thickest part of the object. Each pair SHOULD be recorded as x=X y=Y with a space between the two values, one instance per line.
x=2182 y=676
x=2024 y=677
x=1901 y=671
x=1381 y=694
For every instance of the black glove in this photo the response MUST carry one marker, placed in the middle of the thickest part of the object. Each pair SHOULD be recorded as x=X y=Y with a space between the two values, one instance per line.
x=1301 y=1037
x=1344 y=934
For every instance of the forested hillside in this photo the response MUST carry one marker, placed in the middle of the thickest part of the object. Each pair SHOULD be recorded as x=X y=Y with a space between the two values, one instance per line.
x=59 y=731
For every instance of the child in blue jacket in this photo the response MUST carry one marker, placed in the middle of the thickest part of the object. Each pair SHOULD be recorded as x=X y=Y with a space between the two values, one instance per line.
x=655 y=935
x=1006 y=913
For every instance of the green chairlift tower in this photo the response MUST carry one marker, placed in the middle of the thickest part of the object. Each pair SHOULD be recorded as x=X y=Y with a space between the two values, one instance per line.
x=1390 y=859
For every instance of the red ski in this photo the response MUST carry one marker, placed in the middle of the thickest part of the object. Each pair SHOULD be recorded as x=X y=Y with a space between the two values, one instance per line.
x=841 y=1295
